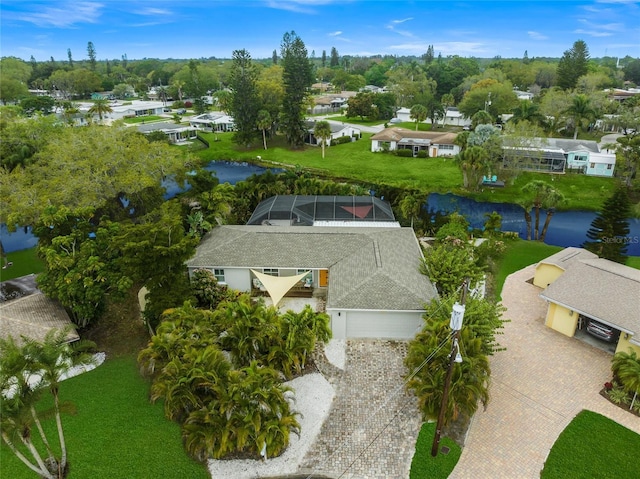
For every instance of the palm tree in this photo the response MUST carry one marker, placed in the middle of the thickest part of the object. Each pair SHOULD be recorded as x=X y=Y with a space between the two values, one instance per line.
x=473 y=161
x=322 y=131
x=538 y=189
x=178 y=85
x=264 y=122
x=579 y=111
x=527 y=111
x=553 y=198
x=626 y=368
x=418 y=113
x=48 y=361
x=100 y=107
x=410 y=206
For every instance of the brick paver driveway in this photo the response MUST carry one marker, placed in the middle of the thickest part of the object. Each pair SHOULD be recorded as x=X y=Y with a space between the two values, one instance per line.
x=538 y=385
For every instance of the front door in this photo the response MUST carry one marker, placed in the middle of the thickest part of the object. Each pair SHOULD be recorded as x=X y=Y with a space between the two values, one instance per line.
x=324 y=278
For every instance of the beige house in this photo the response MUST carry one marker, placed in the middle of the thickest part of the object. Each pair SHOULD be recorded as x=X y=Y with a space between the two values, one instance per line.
x=590 y=294
x=433 y=143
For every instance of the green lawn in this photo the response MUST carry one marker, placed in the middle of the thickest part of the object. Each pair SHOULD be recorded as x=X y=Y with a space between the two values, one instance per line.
x=355 y=162
x=425 y=466
x=144 y=119
x=24 y=262
x=519 y=254
x=351 y=161
x=596 y=447
x=116 y=433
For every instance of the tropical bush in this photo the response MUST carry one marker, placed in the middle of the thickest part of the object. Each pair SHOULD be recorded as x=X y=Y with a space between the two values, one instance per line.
x=220 y=373
x=404 y=153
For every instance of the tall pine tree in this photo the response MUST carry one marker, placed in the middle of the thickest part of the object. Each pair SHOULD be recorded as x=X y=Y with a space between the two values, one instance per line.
x=608 y=235
x=297 y=76
x=573 y=65
x=244 y=101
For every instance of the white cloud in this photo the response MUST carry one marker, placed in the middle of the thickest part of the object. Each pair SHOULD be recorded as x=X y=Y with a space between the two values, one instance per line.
x=154 y=11
x=537 y=35
x=401 y=21
x=66 y=14
x=592 y=33
x=299 y=6
x=335 y=34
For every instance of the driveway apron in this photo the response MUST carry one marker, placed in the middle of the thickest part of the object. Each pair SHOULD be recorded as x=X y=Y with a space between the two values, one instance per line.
x=373 y=423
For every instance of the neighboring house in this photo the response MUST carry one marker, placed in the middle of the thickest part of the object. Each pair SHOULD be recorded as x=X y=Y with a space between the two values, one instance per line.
x=556 y=155
x=434 y=143
x=176 y=133
x=590 y=289
x=523 y=95
x=26 y=311
x=330 y=103
x=309 y=210
x=134 y=109
x=369 y=277
x=338 y=130
x=215 y=121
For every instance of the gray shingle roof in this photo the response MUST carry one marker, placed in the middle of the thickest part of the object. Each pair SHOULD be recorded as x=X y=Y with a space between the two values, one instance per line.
x=33 y=316
x=600 y=289
x=369 y=268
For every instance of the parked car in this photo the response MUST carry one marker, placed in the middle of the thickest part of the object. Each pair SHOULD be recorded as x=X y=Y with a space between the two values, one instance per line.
x=602 y=331
x=181 y=111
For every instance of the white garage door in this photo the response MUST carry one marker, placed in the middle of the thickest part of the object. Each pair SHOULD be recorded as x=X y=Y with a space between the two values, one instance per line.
x=384 y=325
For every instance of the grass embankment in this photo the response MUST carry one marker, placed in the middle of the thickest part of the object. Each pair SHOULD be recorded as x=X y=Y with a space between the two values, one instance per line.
x=424 y=465
x=593 y=446
x=355 y=162
x=115 y=432
x=24 y=262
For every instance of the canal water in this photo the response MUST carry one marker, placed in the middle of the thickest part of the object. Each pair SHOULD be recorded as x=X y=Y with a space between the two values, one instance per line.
x=567 y=228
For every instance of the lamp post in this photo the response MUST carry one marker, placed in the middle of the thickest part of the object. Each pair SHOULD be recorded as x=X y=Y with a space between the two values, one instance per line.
x=457 y=315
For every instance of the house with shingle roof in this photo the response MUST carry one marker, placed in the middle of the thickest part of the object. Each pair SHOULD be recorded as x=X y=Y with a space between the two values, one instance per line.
x=27 y=312
x=550 y=269
x=595 y=289
x=369 y=277
x=433 y=143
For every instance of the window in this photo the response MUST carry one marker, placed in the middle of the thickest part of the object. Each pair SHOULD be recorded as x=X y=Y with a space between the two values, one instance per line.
x=445 y=147
x=609 y=166
x=308 y=277
x=219 y=274
x=271 y=271
x=592 y=165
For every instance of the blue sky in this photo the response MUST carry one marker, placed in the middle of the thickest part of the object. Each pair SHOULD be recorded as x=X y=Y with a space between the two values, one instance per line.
x=206 y=28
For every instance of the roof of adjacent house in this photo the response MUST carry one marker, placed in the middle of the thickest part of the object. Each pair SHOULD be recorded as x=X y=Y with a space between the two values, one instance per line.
x=334 y=127
x=162 y=126
x=395 y=133
x=369 y=268
x=567 y=257
x=31 y=314
x=601 y=289
x=565 y=145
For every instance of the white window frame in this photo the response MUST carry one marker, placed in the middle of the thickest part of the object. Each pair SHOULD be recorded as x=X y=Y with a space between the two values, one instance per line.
x=219 y=274
x=271 y=271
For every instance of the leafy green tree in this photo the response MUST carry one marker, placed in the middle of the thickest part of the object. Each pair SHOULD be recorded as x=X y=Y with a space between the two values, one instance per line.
x=77 y=168
x=297 y=77
x=411 y=205
x=579 y=111
x=447 y=264
x=361 y=105
x=470 y=381
x=41 y=104
x=334 y=61
x=626 y=369
x=25 y=372
x=608 y=234
x=418 y=113
x=488 y=95
x=572 y=65
x=628 y=157
x=21 y=139
x=527 y=111
x=322 y=131
x=81 y=263
x=264 y=122
x=14 y=75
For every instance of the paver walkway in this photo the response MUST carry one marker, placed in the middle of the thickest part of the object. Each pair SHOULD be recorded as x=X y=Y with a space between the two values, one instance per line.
x=373 y=424
x=538 y=385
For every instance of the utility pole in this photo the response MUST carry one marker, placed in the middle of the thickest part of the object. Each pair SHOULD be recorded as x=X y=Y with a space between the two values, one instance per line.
x=457 y=315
